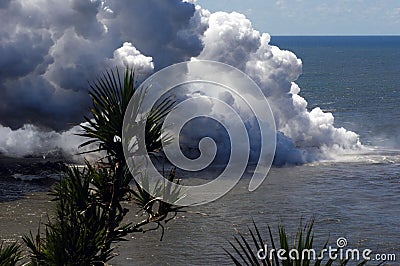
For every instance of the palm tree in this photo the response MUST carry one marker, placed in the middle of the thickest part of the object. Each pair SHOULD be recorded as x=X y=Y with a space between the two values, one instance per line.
x=89 y=211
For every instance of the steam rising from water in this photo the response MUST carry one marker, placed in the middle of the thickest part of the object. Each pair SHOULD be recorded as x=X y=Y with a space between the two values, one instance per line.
x=30 y=140
x=49 y=49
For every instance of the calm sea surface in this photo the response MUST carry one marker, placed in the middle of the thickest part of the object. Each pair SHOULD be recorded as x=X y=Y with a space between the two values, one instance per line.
x=356 y=197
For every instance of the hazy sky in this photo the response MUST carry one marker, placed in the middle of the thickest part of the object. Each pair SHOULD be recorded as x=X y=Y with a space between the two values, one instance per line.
x=316 y=17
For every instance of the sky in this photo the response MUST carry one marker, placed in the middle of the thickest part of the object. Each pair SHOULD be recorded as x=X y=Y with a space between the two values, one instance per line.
x=316 y=17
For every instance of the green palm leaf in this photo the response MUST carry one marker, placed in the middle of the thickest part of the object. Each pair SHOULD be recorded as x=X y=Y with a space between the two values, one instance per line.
x=111 y=94
x=10 y=255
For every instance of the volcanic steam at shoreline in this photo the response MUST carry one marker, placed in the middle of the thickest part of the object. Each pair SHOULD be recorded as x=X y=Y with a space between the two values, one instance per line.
x=50 y=49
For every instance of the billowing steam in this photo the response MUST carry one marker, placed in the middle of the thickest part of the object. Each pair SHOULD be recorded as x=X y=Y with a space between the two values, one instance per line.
x=49 y=49
x=29 y=140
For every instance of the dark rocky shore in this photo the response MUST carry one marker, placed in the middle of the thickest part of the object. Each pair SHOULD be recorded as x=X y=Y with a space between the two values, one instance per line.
x=20 y=177
x=10 y=166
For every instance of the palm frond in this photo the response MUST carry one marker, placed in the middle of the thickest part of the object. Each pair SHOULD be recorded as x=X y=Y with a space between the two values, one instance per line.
x=11 y=254
x=111 y=95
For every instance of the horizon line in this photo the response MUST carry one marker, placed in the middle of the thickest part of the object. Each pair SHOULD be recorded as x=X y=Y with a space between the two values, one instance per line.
x=334 y=35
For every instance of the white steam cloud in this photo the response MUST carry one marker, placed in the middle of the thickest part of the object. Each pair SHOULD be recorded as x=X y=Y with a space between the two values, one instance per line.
x=30 y=140
x=49 y=49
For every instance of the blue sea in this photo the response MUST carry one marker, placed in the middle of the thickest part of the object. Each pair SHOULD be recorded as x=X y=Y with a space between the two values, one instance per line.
x=355 y=78
x=357 y=197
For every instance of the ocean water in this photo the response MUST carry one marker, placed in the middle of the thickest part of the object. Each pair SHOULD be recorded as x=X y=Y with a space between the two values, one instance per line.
x=356 y=196
x=355 y=78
